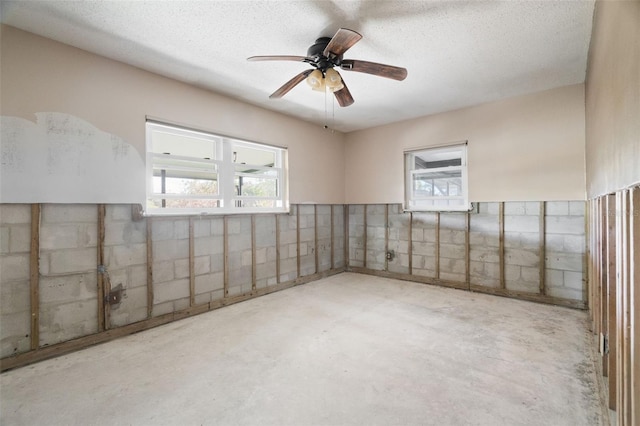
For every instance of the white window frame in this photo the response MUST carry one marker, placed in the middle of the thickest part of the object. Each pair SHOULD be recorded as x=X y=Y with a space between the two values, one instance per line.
x=410 y=172
x=225 y=167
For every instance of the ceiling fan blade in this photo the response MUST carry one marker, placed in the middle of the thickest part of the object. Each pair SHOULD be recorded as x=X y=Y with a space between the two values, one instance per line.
x=343 y=96
x=290 y=84
x=382 y=70
x=341 y=42
x=278 y=58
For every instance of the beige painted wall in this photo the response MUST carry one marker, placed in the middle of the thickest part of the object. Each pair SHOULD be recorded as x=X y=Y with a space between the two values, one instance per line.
x=613 y=98
x=525 y=148
x=41 y=75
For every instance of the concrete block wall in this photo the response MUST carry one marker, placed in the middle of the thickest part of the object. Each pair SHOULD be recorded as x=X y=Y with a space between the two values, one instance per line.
x=423 y=242
x=565 y=249
x=398 y=239
x=437 y=243
x=186 y=269
x=68 y=272
x=522 y=246
x=15 y=302
x=484 y=246
x=125 y=259
x=170 y=266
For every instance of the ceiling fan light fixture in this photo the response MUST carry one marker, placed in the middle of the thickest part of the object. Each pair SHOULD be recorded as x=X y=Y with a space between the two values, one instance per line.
x=316 y=80
x=333 y=80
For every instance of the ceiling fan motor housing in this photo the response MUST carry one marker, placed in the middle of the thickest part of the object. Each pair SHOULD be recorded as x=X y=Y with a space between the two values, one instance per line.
x=316 y=51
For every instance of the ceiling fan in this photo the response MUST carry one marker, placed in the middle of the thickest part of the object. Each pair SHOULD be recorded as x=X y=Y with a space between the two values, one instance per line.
x=326 y=54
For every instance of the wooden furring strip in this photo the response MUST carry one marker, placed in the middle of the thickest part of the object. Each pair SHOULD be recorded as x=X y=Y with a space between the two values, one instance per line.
x=503 y=283
x=298 y=240
x=437 y=246
x=467 y=250
x=364 y=238
x=542 y=247
x=149 y=268
x=225 y=242
x=333 y=260
x=315 y=237
x=410 y=242
x=277 y=217
x=253 y=253
x=192 y=263
x=34 y=275
x=101 y=269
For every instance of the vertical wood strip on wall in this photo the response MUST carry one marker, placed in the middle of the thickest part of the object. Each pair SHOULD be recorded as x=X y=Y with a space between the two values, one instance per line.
x=315 y=237
x=345 y=224
x=610 y=308
x=106 y=282
x=437 y=246
x=624 y=315
x=277 y=248
x=542 y=248
x=410 y=242
x=225 y=249
x=333 y=261
x=467 y=250
x=364 y=238
x=503 y=283
x=34 y=276
x=253 y=252
x=192 y=265
x=101 y=270
x=298 y=239
x=386 y=237
x=149 y=269
x=634 y=260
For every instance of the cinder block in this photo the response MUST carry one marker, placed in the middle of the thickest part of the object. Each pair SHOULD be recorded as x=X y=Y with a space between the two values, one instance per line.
x=137 y=275
x=162 y=308
x=517 y=208
x=203 y=298
x=170 y=290
x=55 y=237
x=208 y=245
x=553 y=278
x=453 y=266
x=239 y=242
x=163 y=271
x=246 y=258
x=134 y=254
x=202 y=265
x=554 y=242
x=233 y=226
x=118 y=212
x=68 y=288
x=484 y=224
x=532 y=208
x=170 y=250
x=573 y=225
x=15 y=213
x=424 y=248
x=62 y=322
x=574 y=243
x=73 y=261
x=565 y=261
x=417 y=234
x=15 y=332
x=208 y=283
x=565 y=293
x=181 y=268
x=20 y=239
x=4 y=240
x=452 y=251
x=574 y=280
x=201 y=228
x=485 y=255
x=557 y=208
x=424 y=272
x=521 y=257
x=162 y=230
x=14 y=298
x=521 y=224
x=181 y=229
x=261 y=255
x=217 y=226
x=577 y=208
x=529 y=274
x=69 y=213
x=124 y=233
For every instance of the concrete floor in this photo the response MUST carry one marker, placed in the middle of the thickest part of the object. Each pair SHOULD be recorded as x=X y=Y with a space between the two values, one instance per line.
x=349 y=349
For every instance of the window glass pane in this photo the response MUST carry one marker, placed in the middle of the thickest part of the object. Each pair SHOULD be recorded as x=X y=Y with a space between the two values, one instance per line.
x=437 y=158
x=183 y=145
x=256 y=186
x=265 y=204
x=253 y=156
x=439 y=184
x=183 y=203
x=185 y=186
x=252 y=170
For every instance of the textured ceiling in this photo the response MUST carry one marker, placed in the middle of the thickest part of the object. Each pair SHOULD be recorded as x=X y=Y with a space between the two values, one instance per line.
x=457 y=53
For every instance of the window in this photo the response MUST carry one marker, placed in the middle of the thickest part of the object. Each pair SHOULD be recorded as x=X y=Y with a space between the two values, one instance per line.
x=436 y=178
x=190 y=171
